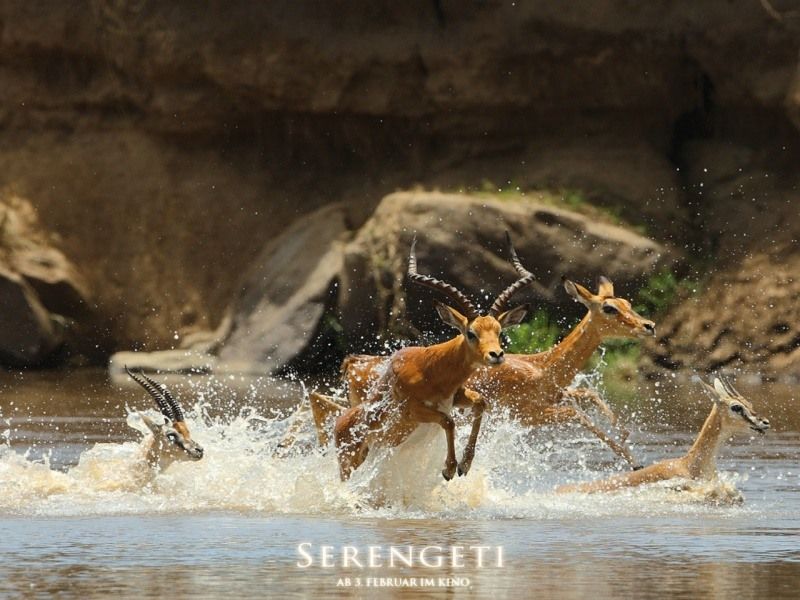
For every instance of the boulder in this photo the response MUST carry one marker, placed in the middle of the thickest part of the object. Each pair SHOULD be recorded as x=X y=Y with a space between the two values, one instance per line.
x=286 y=292
x=28 y=333
x=461 y=240
x=164 y=361
x=622 y=175
x=42 y=294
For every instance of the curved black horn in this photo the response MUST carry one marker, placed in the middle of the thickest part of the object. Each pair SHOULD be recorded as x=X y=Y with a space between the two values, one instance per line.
x=445 y=288
x=177 y=411
x=521 y=271
x=526 y=278
x=156 y=391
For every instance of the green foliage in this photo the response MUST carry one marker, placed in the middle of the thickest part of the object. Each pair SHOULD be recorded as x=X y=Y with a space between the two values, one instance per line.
x=539 y=333
x=574 y=199
x=617 y=362
x=332 y=330
x=661 y=291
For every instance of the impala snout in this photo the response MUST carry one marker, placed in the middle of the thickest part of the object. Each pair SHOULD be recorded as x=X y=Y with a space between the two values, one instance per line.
x=495 y=357
x=649 y=328
x=195 y=452
x=759 y=425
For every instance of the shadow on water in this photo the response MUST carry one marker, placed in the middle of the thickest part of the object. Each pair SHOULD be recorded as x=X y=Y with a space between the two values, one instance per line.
x=231 y=524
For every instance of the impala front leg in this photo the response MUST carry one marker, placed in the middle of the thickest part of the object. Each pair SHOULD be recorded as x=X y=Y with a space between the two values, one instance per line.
x=466 y=398
x=422 y=414
x=349 y=434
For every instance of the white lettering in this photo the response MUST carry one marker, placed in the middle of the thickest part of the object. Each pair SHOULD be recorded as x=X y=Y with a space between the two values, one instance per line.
x=438 y=559
x=301 y=549
x=326 y=557
x=375 y=557
x=350 y=553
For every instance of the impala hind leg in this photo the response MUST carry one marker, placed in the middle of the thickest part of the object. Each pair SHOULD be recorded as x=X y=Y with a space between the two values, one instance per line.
x=562 y=414
x=578 y=394
x=349 y=434
x=324 y=409
x=466 y=398
x=289 y=443
x=422 y=414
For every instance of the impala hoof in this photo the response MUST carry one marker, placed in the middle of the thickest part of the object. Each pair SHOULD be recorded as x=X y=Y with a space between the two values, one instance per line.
x=463 y=468
x=448 y=472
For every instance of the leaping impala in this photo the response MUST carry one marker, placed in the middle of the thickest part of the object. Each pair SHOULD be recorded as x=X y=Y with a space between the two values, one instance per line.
x=532 y=386
x=170 y=440
x=422 y=384
x=730 y=414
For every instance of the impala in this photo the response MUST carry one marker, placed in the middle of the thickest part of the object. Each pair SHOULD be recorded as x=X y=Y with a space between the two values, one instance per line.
x=422 y=384
x=533 y=387
x=170 y=440
x=730 y=414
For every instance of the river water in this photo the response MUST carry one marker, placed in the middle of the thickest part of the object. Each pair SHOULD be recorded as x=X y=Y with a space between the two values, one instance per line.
x=80 y=518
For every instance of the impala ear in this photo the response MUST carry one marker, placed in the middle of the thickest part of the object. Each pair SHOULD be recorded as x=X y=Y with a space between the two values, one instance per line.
x=513 y=316
x=578 y=292
x=604 y=287
x=720 y=388
x=151 y=424
x=716 y=397
x=452 y=317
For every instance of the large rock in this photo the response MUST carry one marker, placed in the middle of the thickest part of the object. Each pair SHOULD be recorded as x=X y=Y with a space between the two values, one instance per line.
x=744 y=316
x=41 y=293
x=623 y=175
x=277 y=314
x=284 y=295
x=182 y=70
x=28 y=333
x=461 y=240
x=165 y=144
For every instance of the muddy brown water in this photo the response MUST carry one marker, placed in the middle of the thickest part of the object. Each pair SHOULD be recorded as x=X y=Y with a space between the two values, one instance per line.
x=73 y=523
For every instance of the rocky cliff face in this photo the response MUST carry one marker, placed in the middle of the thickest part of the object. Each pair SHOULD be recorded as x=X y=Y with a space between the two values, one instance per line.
x=168 y=143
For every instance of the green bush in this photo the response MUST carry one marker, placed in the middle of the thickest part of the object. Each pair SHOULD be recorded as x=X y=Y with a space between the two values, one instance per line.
x=539 y=333
x=661 y=291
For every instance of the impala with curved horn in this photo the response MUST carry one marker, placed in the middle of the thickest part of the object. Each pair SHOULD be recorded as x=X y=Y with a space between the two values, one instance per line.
x=533 y=386
x=171 y=440
x=731 y=413
x=422 y=384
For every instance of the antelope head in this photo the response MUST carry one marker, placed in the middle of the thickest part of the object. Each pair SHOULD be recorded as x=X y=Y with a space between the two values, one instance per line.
x=613 y=317
x=735 y=410
x=481 y=332
x=171 y=434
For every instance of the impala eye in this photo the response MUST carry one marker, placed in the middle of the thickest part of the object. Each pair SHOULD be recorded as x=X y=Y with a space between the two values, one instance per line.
x=737 y=408
x=471 y=335
x=172 y=437
x=610 y=309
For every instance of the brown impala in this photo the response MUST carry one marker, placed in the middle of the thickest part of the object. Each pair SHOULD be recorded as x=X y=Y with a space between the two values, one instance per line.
x=532 y=386
x=731 y=414
x=423 y=384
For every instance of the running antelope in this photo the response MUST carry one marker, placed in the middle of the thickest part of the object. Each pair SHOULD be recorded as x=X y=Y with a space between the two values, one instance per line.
x=532 y=386
x=170 y=440
x=730 y=414
x=423 y=384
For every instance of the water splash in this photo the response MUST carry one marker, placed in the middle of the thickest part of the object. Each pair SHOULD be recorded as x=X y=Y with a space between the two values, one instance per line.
x=513 y=476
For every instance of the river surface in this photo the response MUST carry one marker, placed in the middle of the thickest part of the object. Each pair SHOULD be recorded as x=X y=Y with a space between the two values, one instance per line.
x=79 y=517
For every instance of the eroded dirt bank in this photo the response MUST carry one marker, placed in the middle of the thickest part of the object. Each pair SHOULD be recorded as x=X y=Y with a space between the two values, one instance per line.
x=167 y=145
